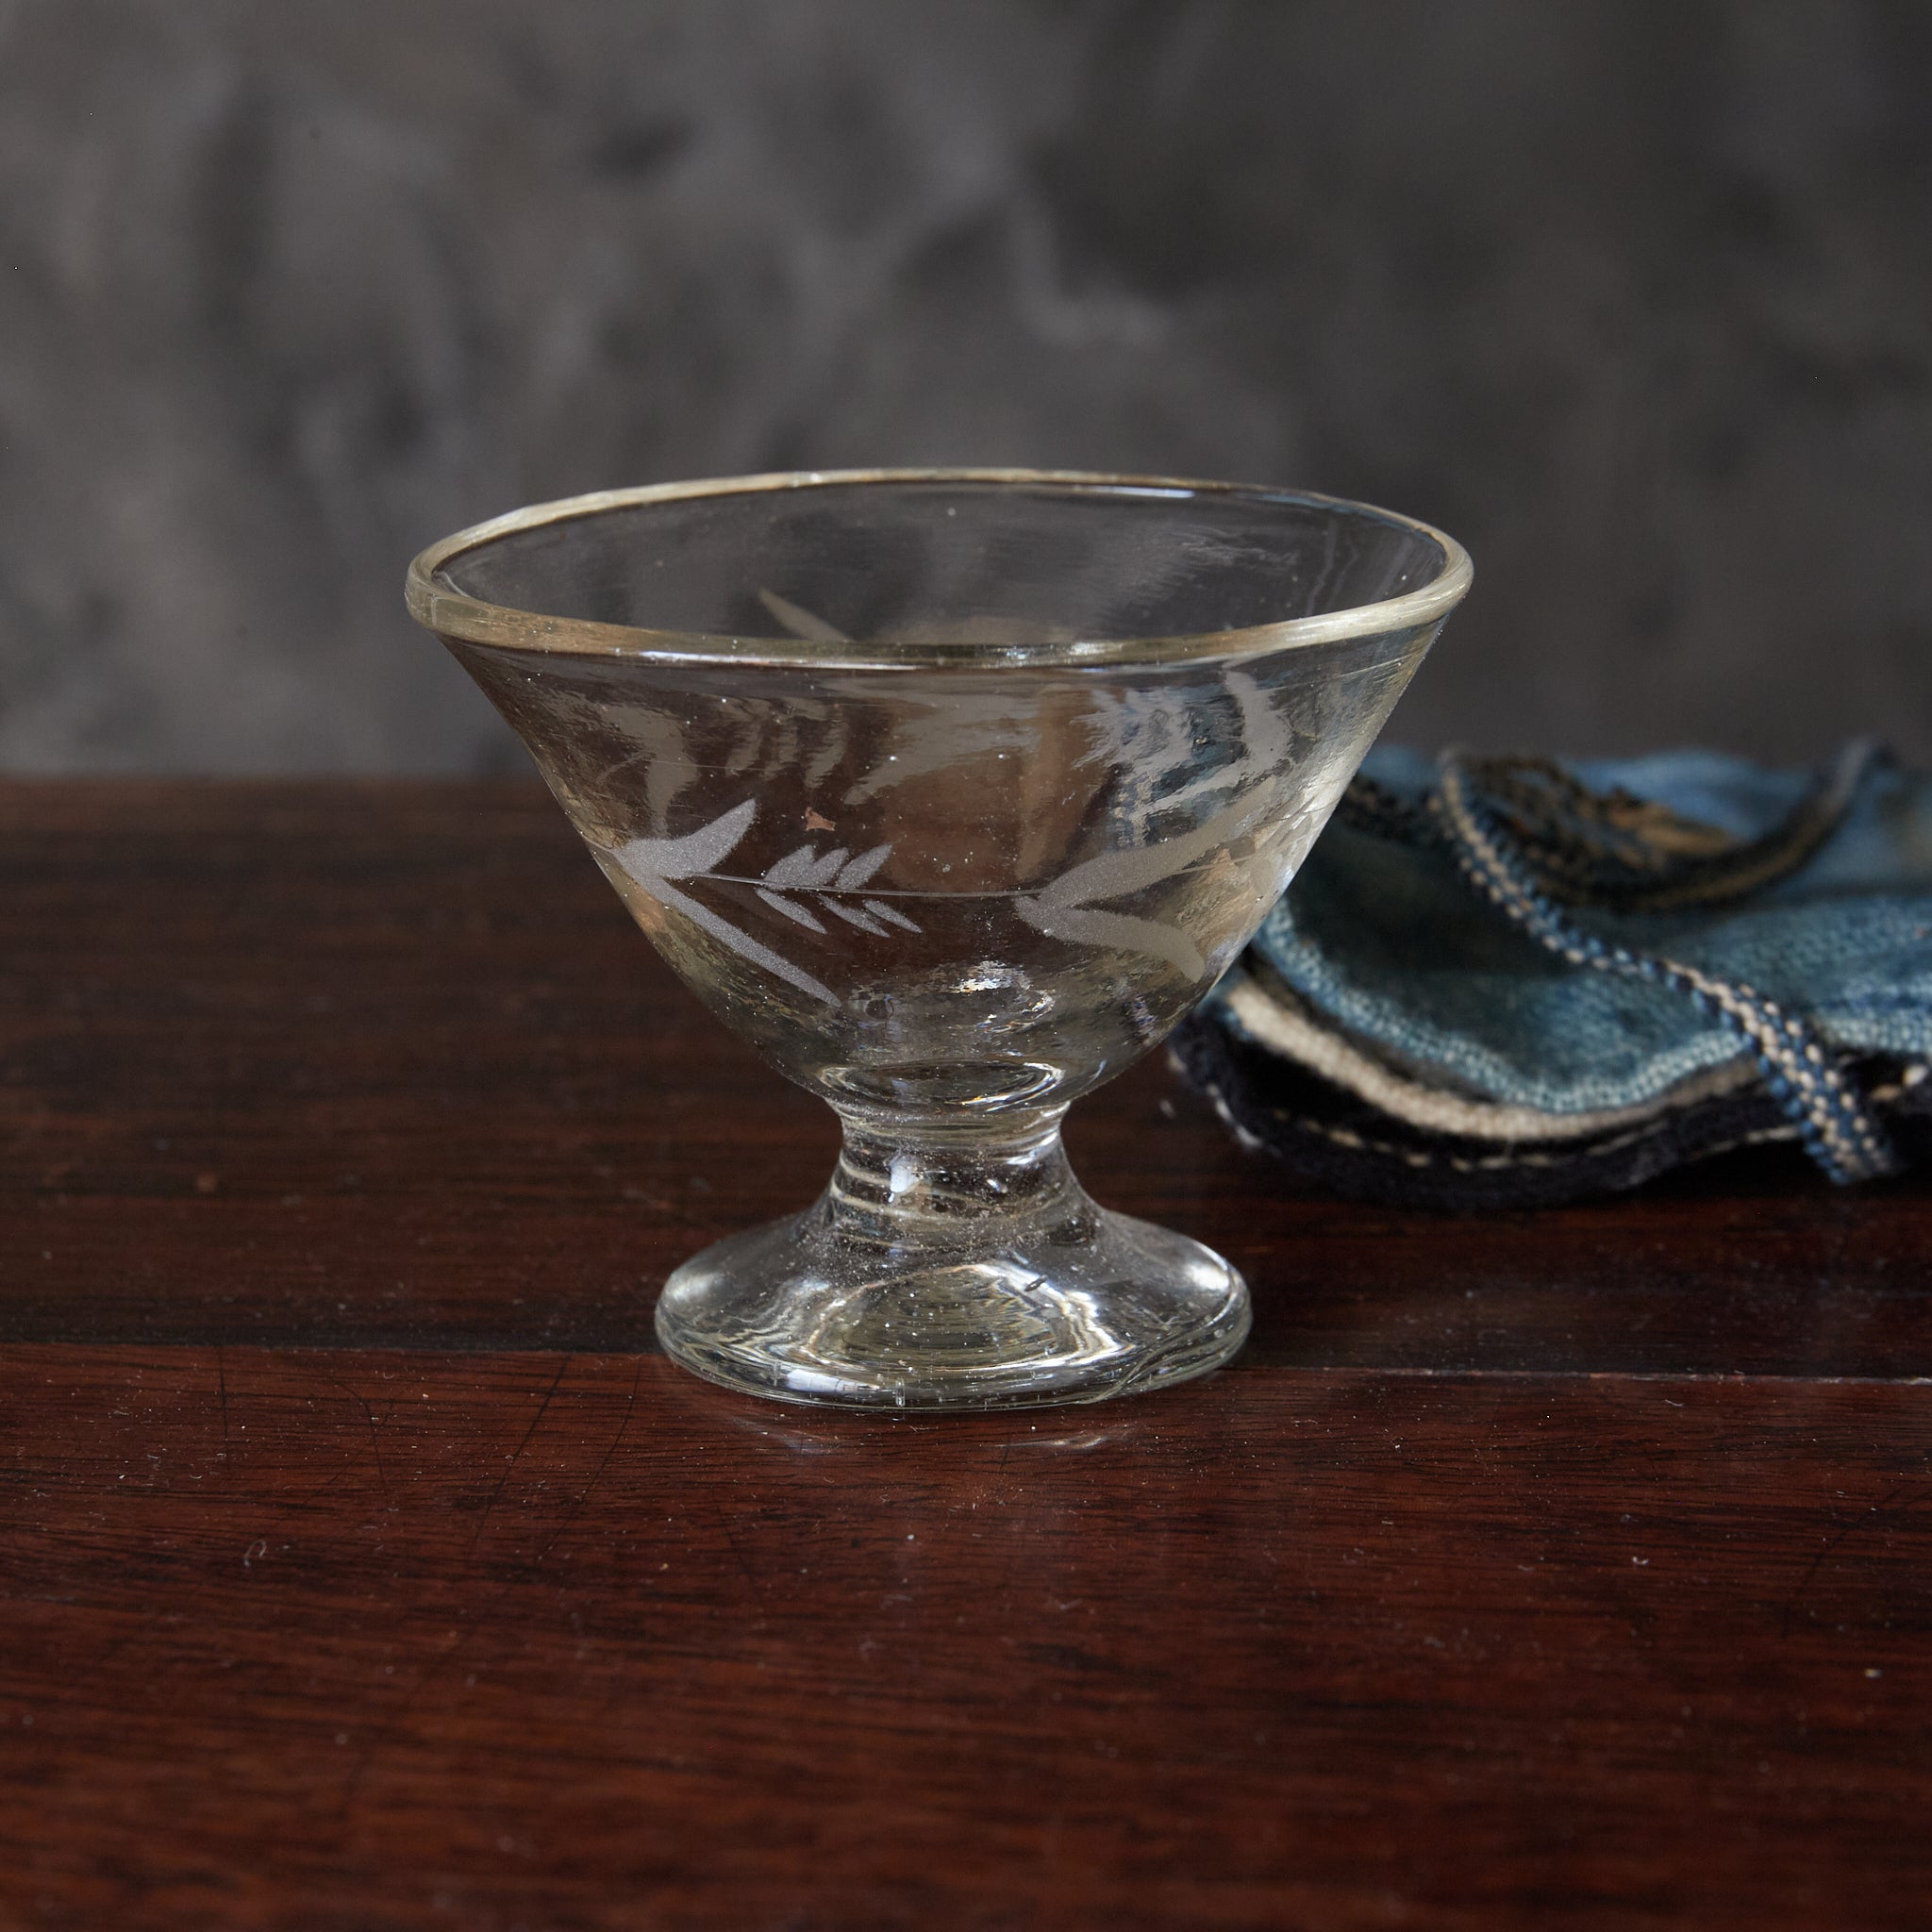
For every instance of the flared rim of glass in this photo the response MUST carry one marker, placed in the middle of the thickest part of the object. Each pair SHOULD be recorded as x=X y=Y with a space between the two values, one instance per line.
x=436 y=601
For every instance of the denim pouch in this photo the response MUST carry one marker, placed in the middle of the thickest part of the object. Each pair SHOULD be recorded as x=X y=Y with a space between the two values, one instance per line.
x=1509 y=981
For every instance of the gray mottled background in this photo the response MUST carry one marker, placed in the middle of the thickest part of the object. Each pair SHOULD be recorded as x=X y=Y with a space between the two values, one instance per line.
x=1634 y=298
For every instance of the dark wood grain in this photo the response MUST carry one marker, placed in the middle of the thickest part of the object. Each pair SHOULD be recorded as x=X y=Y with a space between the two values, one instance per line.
x=566 y=1640
x=388 y=1065
x=362 y=1568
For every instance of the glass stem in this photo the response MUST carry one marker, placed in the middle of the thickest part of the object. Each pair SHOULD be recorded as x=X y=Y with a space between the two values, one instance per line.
x=925 y=1189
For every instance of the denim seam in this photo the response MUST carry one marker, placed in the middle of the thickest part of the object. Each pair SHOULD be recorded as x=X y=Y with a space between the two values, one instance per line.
x=1837 y=1128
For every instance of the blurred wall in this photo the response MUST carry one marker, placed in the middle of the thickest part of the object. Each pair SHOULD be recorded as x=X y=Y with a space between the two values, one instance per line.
x=1636 y=298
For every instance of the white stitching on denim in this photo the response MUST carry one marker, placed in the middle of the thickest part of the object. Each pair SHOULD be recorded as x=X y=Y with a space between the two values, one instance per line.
x=1837 y=1128
x=1417 y=1156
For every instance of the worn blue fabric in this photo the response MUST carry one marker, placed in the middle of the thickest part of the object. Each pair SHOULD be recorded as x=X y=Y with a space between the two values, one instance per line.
x=1386 y=941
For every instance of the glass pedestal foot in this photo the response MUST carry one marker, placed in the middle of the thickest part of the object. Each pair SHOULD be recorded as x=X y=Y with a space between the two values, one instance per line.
x=915 y=1284
x=770 y=1312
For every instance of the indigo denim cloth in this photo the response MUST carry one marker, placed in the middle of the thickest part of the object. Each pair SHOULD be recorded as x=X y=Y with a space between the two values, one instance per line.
x=1388 y=941
x=1399 y=1020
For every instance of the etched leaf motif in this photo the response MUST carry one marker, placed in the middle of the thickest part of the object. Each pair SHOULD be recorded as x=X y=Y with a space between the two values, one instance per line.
x=823 y=874
x=827 y=869
x=1064 y=910
x=862 y=869
x=855 y=915
x=653 y=863
x=701 y=851
x=1091 y=927
x=798 y=887
x=792 y=909
x=801 y=868
x=1114 y=874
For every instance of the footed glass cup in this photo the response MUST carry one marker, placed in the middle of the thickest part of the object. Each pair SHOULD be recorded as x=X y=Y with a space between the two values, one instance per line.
x=950 y=791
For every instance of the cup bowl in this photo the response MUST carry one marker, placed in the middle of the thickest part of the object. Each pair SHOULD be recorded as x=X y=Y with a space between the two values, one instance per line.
x=950 y=791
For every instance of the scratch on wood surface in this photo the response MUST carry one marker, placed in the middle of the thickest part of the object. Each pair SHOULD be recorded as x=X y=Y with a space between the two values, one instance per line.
x=1867 y=1519
x=731 y=1543
x=459 y=1638
x=516 y=1455
x=374 y=1440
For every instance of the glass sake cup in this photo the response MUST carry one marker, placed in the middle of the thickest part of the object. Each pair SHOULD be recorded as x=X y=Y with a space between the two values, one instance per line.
x=951 y=791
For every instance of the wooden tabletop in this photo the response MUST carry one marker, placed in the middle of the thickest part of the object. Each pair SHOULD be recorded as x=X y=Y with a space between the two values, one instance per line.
x=362 y=1566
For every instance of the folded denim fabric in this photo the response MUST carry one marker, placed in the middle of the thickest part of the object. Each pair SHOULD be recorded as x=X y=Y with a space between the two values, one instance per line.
x=1509 y=981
